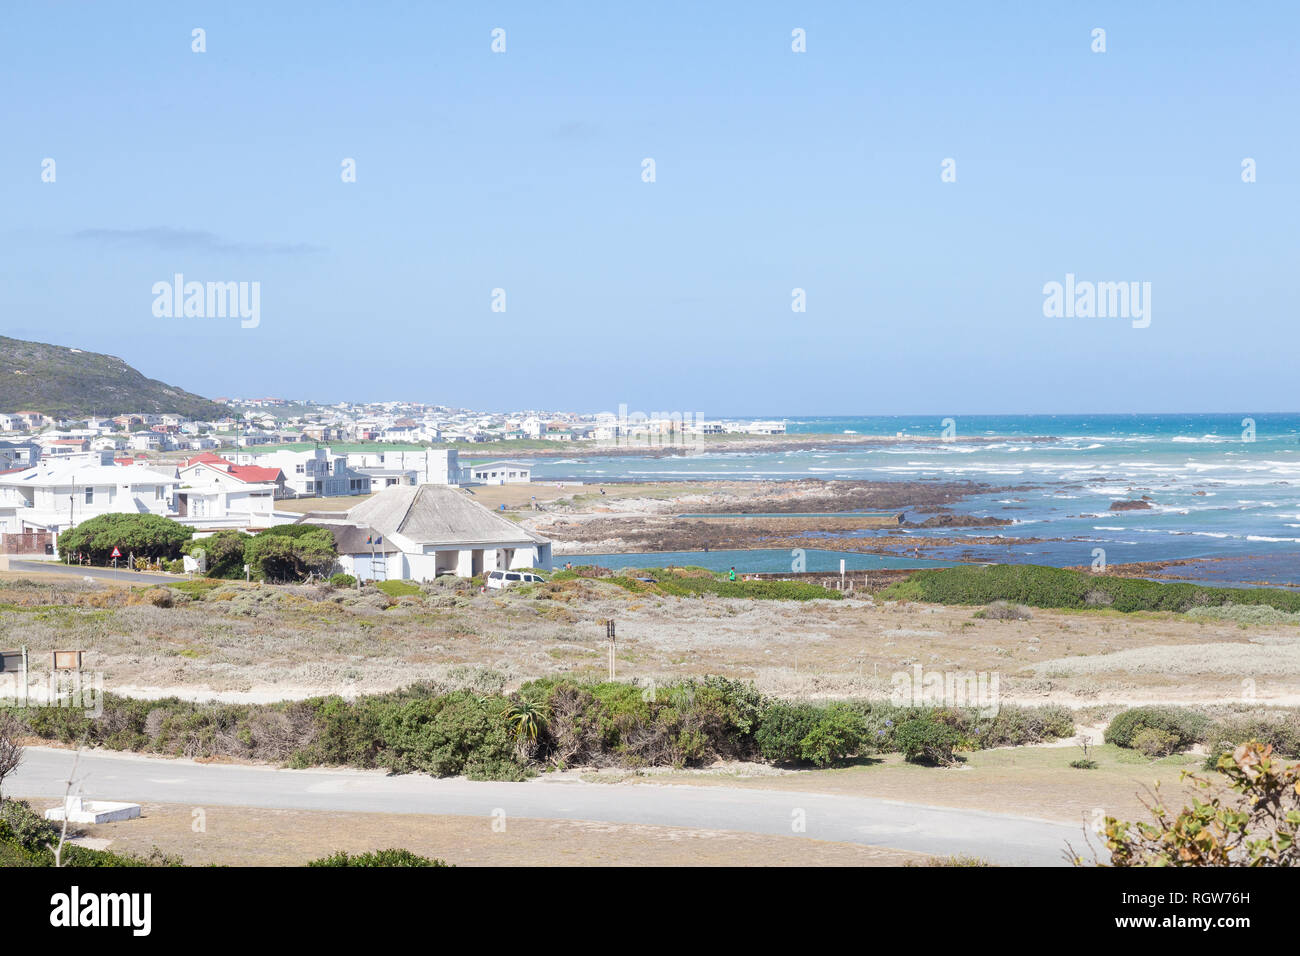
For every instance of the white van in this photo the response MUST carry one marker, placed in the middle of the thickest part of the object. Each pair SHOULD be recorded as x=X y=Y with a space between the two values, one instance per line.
x=505 y=579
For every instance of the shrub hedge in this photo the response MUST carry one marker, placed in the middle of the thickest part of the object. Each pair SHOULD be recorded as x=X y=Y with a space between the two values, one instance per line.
x=1061 y=588
x=573 y=723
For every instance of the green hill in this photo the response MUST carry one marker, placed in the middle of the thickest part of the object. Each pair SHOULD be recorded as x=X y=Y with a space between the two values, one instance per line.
x=70 y=383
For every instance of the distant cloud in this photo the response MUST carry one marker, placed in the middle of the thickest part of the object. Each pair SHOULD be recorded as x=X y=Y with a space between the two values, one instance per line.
x=196 y=240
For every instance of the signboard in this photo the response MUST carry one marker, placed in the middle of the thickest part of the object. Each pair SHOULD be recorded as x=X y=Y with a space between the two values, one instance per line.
x=11 y=662
x=67 y=660
x=116 y=553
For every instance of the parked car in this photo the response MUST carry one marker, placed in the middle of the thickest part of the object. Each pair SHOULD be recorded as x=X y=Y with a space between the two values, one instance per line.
x=505 y=579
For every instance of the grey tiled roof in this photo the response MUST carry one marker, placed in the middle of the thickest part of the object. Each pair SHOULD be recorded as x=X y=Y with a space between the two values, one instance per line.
x=437 y=514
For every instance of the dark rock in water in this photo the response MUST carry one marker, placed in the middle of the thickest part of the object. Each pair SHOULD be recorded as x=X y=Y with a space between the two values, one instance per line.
x=1141 y=505
x=949 y=520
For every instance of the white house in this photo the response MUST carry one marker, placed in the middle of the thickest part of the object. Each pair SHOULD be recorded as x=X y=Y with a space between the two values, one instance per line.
x=55 y=495
x=433 y=530
x=211 y=487
x=313 y=473
x=499 y=473
x=145 y=441
x=431 y=466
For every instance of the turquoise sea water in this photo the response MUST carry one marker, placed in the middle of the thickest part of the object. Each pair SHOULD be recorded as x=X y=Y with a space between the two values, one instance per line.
x=750 y=561
x=1217 y=489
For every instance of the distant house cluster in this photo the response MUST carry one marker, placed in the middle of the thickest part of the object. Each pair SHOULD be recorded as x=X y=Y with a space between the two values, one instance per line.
x=235 y=471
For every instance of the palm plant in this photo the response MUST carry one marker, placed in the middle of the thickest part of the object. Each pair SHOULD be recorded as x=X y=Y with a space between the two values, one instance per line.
x=527 y=718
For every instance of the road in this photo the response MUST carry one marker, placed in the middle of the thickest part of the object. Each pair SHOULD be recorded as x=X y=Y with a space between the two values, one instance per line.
x=119 y=576
x=870 y=821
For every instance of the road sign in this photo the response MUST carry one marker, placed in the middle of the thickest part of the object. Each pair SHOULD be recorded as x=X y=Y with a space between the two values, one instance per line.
x=116 y=553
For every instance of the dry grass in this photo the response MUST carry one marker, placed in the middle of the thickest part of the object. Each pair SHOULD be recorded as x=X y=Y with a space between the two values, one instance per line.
x=259 y=642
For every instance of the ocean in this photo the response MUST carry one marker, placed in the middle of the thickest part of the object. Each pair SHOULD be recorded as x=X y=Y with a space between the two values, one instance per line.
x=1221 y=486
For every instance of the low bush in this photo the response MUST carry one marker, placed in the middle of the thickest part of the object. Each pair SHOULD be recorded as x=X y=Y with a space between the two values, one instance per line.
x=928 y=739
x=25 y=826
x=1184 y=727
x=1155 y=743
x=1038 y=586
x=692 y=582
x=223 y=552
x=805 y=733
x=1245 y=615
x=342 y=580
x=449 y=735
x=1279 y=731
x=392 y=857
x=470 y=726
x=1004 y=611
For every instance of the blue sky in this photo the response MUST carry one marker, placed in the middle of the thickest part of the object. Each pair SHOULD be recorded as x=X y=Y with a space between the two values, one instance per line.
x=774 y=170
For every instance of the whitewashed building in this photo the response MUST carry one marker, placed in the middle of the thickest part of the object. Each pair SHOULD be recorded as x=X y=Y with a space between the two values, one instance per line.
x=55 y=495
x=211 y=487
x=316 y=472
x=431 y=466
x=428 y=530
x=499 y=473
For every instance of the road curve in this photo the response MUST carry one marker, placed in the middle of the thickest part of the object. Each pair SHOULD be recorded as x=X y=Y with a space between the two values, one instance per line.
x=120 y=575
x=870 y=821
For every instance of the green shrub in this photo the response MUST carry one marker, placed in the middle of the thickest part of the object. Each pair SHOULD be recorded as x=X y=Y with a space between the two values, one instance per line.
x=1244 y=615
x=782 y=730
x=1061 y=588
x=223 y=551
x=144 y=535
x=693 y=582
x=456 y=733
x=1186 y=727
x=342 y=580
x=1280 y=731
x=391 y=857
x=838 y=733
x=804 y=733
x=1019 y=726
x=290 y=552
x=928 y=739
x=1086 y=763
x=1153 y=742
x=25 y=826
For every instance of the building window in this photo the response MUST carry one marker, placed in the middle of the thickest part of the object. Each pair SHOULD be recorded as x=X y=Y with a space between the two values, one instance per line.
x=90 y=496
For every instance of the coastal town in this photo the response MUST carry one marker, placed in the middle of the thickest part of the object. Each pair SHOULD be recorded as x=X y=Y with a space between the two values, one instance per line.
x=664 y=438
x=236 y=473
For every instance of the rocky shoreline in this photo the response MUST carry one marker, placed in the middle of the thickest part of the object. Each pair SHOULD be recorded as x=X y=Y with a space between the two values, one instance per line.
x=637 y=524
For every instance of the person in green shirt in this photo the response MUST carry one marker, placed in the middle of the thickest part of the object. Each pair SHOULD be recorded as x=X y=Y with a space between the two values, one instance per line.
x=732 y=576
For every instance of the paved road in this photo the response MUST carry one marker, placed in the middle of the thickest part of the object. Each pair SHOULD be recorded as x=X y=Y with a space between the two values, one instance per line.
x=120 y=576
x=865 y=820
